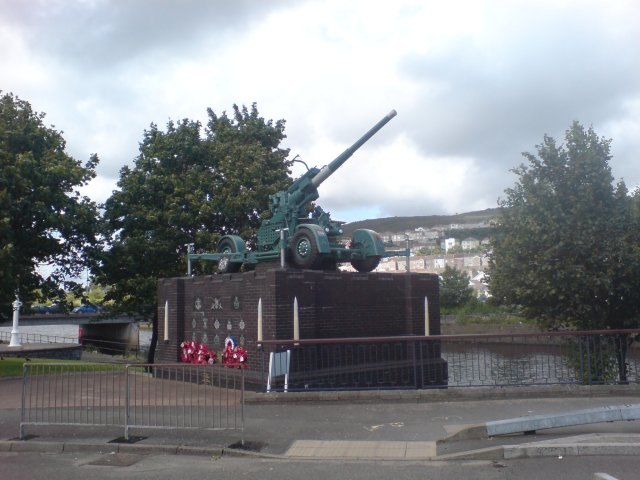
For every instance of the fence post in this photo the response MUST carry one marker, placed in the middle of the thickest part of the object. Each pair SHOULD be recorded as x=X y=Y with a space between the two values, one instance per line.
x=588 y=359
x=242 y=407
x=261 y=350
x=580 y=359
x=622 y=359
x=23 y=400
x=126 y=404
x=415 y=365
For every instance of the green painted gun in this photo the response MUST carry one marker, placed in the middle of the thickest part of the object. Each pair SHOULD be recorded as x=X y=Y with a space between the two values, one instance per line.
x=303 y=237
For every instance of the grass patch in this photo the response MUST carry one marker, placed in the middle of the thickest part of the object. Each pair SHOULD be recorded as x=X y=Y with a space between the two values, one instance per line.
x=491 y=319
x=486 y=314
x=13 y=367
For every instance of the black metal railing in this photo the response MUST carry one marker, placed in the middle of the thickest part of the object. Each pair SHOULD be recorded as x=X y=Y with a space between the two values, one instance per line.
x=112 y=348
x=38 y=338
x=588 y=357
x=102 y=350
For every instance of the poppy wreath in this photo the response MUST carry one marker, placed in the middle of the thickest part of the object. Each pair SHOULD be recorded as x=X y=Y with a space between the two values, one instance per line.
x=196 y=353
x=233 y=355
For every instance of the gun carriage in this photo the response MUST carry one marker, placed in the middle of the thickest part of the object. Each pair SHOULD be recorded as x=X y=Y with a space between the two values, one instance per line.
x=310 y=240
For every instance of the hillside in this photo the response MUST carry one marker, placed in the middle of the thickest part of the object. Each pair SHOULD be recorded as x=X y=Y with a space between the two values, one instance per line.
x=401 y=224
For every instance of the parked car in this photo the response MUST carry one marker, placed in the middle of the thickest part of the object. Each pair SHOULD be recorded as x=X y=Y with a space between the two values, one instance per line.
x=55 y=307
x=87 y=309
x=39 y=309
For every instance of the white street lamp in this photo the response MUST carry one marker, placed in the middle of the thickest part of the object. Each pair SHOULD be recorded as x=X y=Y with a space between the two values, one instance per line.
x=15 y=337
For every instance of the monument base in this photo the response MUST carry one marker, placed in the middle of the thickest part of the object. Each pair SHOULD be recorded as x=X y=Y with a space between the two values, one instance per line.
x=330 y=305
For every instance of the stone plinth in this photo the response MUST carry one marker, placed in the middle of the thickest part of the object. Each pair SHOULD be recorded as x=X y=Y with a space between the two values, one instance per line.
x=330 y=305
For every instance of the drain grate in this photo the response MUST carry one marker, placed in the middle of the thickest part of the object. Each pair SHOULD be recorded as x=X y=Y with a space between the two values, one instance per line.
x=248 y=446
x=131 y=439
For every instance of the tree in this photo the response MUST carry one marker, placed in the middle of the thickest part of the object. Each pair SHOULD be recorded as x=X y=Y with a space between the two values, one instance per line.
x=187 y=186
x=454 y=288
x=44 y=221
x=567 y=244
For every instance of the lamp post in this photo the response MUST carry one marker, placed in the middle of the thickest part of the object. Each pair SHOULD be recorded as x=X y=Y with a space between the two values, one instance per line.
x=15 y=338
x=190 y=250
x=408 y=252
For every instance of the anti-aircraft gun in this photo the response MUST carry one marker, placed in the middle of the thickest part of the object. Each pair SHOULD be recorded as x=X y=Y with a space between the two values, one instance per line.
x=310 y=240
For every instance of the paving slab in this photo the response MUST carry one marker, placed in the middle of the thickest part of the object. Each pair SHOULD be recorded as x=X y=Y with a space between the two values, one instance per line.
x=386 y=450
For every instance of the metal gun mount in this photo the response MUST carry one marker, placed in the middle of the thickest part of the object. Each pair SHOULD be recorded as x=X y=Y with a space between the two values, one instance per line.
x=304 y=240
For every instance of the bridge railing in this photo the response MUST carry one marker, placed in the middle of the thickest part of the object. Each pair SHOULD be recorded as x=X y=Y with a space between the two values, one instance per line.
x=113 y=348
x=141 y=396
x=38 y=338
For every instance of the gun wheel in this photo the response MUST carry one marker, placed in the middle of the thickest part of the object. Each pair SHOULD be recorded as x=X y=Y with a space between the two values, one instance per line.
x=305 y=250
x=226 y=245
x=365 y=265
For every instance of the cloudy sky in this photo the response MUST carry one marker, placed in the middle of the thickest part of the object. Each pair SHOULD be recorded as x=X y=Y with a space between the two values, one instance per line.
x=475 y=83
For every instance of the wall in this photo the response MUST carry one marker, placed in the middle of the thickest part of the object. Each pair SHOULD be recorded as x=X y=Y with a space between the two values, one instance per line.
x=331 y=305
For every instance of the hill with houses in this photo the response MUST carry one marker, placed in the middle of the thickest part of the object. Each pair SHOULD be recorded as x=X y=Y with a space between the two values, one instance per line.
x=436 y=241
x=407 y=224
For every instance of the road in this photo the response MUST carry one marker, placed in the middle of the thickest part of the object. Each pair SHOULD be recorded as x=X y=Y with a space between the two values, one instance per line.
x=27 y=466
x=274 y=426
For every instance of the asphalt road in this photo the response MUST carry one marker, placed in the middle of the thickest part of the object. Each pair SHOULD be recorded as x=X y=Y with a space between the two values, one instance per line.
x=29 y=466
x=276 y=425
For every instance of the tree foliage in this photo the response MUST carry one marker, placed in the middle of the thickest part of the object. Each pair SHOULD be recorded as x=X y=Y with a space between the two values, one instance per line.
x=188 y=185
x=44 y=221
x=455 y=290
x=567 y=247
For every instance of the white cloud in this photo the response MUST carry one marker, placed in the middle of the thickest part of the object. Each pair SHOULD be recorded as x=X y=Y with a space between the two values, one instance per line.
x=474 y=82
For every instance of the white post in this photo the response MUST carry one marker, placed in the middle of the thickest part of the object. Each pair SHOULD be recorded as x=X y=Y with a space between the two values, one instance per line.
x=271 y=357
x=166 y=321
x=427 y=328
x=296 y=321
x=15 y=337
x=259 y=342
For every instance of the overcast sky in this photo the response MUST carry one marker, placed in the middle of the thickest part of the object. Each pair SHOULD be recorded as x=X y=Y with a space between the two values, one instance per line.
x=475 y=83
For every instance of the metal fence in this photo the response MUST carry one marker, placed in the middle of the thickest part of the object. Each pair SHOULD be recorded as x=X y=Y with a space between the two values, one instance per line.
x=38 y=338
x=113 y=348
x=169 y=396
x=109 y=348
x=589 y=357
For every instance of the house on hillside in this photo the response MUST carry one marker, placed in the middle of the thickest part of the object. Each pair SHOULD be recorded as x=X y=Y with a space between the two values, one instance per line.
x=427 y=233
x=479 y=285
x=470 y=243
x=475 y=261
x=448 y=243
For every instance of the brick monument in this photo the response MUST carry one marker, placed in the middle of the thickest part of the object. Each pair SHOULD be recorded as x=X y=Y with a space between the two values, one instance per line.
x=337 y=304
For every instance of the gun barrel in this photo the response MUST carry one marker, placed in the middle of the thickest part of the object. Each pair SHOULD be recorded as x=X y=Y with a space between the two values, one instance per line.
x=327 y=170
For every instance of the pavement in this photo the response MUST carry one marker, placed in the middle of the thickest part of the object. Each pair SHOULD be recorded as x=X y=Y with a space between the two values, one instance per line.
x=412 y=425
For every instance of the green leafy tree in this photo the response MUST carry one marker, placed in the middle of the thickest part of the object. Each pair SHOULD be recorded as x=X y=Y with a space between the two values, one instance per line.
x=456 y=249
x=187 y=186
x=567 y=244
x=430 y=251
x=455 y=290
x=44 y=221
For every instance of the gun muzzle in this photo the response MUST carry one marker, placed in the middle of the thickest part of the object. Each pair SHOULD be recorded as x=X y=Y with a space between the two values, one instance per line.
x=327 y=170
